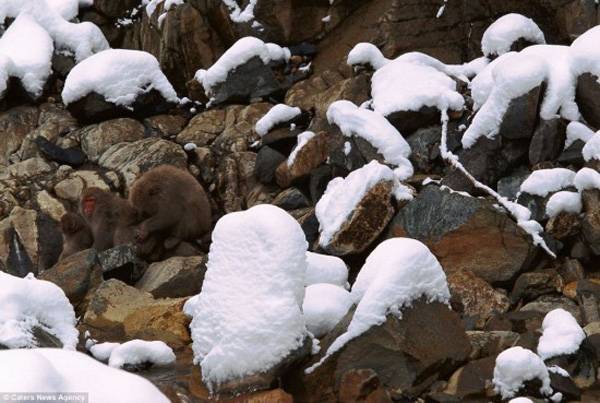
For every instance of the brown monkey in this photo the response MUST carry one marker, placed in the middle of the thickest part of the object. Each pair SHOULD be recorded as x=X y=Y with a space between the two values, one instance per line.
x=111 y=219
x=77 y=235
x=173 y=205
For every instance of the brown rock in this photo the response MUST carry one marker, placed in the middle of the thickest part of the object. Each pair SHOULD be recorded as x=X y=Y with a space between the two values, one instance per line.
x=203 y=128
x=490 y=343
x=357 y=384
x=532 y=285
x=15 y=124
x=310 y=156
x=165 y=126
x=96 y=139
x=590 y=224
x=474 y=380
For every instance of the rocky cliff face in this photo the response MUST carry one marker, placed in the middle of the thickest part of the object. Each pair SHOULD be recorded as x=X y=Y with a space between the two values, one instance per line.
x=502 y=281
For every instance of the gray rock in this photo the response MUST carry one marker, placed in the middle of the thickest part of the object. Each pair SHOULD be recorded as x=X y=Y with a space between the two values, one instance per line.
x=547 y=141
x=588 y=98
x=174 y=277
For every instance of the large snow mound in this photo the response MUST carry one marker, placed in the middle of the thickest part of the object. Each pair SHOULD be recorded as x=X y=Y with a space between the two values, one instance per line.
x=278 y=114
x=325 y=269
x=324 y=306
x=397 y=272
x=578 y=131
x=28 y=303
x=342 y=195
x=119 y=75
x=514 y=367
x=563 y=202
x=545 y=181
x=499 y=37
x=239 y=53
x=248 y=316
x=375 y=129
x=561 y=335
x=46 y=370
x=587 y=178
x=81 y=39
x=136 y=352
x=585 y=52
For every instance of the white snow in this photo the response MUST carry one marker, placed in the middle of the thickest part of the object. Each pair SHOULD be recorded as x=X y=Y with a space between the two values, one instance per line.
x=482 y=85
x=585 y=52
x=365 y=53
x=28 y=50
x=324 y=306
x=45 y=370
x=578 y=131
x=151 y=5
x=555 y=369
x=498 y=37
x=248 y=316
x=591 y=150
x=136 y=352
x=563 y=202
x=516 y=366
x=587 y=178
x=397 y=272
x=239 y=53
x=303 y=139
x=102 y=351
x=27 y=303
x=239 y=15
x=408 y=86
x=82 y=39
x=377 y=130
x=325 y=269
x=545 y=181
x=342 y=195
x=120 y=75
x=278 y=114
x=520 y=400
x=68 y=9
x=562 y=335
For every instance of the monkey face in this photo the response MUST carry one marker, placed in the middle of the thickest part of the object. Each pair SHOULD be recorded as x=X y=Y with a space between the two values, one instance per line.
x=87 y=205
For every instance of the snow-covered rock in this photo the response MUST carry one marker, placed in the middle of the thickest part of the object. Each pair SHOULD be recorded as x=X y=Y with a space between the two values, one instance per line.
x=325 y=269
x=68 y=9
x=587 y=178
x=278 y=114
x=303 y=139
x=337 y=209
x=561 y=335
x=585 y=52
x=516 y=366
x=324 y=306
x=248 y=317
x=591 y=150
x=239 y=14
x=506 y=30
x=374 y=128
x=577 y=131
x=397 y=272
x=137 y=352
x=545 y=181
x=27 y=304
x=102 y=351
x=46 y=370
x=563 y=202
x=121 y=79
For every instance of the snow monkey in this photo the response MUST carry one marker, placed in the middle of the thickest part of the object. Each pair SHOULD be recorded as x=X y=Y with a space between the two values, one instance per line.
x=173 y=205
x=77 y=235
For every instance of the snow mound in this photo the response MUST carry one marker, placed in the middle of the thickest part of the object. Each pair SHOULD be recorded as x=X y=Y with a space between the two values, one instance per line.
x=342 y=195
x=119 y=75
x=324 y=306
x=482 y=85
x=239 y=53
x=28 y=303
x=562 y=335
x=102 y=351
x=516 y=366
x=591 y=150
x=367 y=54
x=68 y=9
x=577 y=131
x=520 y=400
x=28 y=50
x=238 y=14
x=46 y=370
x=585 y=52
x=303 y=139
x=278 y=114
x=81 y=39
x=397 y=272
x=408 y=86
x=506 y=30
x=563 y=202
x=248 y=316
x=545 y=181
x=587 y=178
x=325 y=269
x=136 y=352
x=375 y=129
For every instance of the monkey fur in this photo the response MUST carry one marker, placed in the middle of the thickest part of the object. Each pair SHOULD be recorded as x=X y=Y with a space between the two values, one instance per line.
x=77 y=235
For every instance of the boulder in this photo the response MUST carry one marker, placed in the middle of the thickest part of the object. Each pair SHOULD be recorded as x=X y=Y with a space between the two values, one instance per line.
x=235 y=180
x=165 y=126
x=96 y=139
x=121 y=262
x=548 y=141
x=492 y=246
x=588 y=98
x=532 y=285
x=71 y=187
x=519 y=121
x=50 y=206
x=15 y=124
x=590 y=224
x=203 y=128
x=310 y=156
x=174 y=277
x=490 y=343
x=291 y=199
x=408 y=122
x=70 y=156
x=474 y=380
x=267 y=161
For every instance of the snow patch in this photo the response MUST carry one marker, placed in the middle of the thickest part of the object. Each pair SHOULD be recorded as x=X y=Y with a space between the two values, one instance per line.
x=562 y=335
x=587 y=178
x=136 y=352
x=303 y=139
x=591 y=150
x=325 y=269
x=516 y=366
x=563 y=202
x=278 y=114
x=499 y=37
x=324 y=306
x=577 y=131
x=545 y=181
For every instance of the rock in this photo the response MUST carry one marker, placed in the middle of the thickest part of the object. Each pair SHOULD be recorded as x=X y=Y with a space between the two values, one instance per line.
x=93 y=107
x=15 y=124
x=408 y=122
x=357 y=384
x=70 y=188
x=474 y=380
x=407 y=354
x=509 y=186
x=50 y=206
x=547 y=303
x=76 y=275
x=114 y=9
x=493 y=247
x=29 y=168
x=96 y=139
x=240 y=122
x=71 y=156
x=474 y=297
x=530 y=286
x=310 y=156
x=235 y=180
x=572 y=155
x=174 y=277
x=590 y=225
x=366 y=223
x=165 y=126
x=133 y=159
x=25 y=246
x=521 y=117
x=563 y=226
x=203 y=128
x=267 y=161
x=547 y=141
x=588 y=98
x=121 y=262
x=588 y=296
x=490 y=343
x=291 y=199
